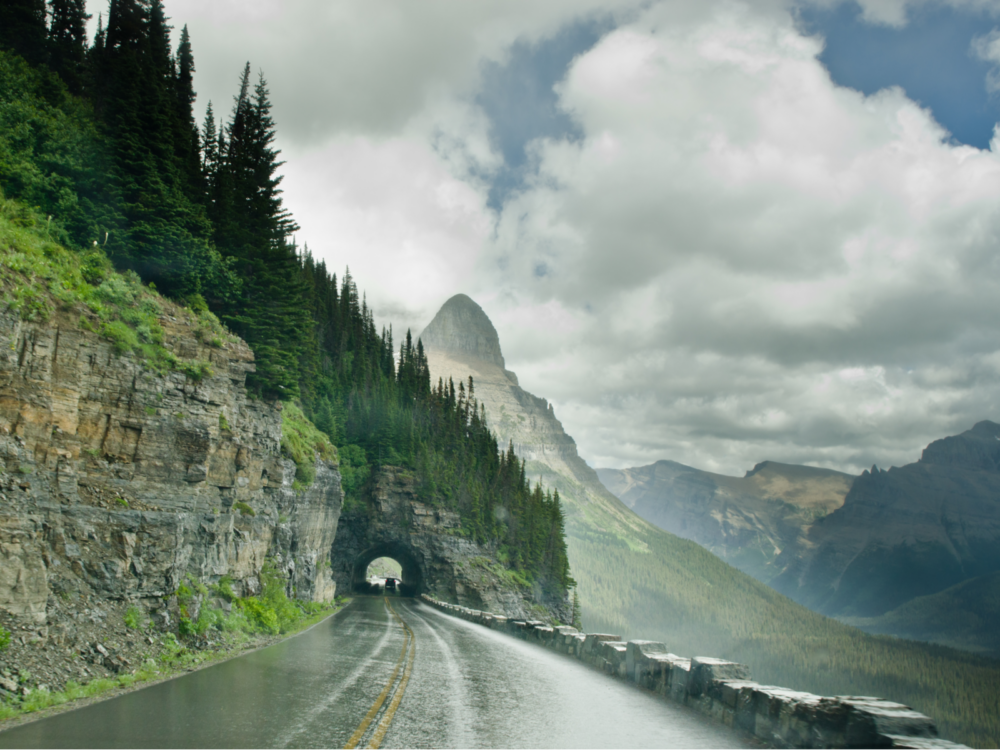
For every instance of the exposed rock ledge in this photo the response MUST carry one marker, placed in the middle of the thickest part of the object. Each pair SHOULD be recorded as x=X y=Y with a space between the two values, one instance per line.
x=116 y=482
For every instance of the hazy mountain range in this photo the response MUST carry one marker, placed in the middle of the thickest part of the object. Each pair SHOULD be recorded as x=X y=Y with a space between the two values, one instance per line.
x=641 y=581
x=911 y=551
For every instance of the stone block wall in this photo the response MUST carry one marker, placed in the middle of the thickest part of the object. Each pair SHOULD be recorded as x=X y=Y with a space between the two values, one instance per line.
x=724 y=691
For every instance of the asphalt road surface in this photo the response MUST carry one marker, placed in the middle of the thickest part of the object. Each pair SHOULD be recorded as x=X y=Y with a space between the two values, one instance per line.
x=385 y=672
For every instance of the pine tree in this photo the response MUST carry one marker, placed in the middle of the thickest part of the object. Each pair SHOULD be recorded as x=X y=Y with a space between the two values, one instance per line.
x=22 y=28
x=67 y=41
x=253 y=227
x=165 y=233
x=186 y=140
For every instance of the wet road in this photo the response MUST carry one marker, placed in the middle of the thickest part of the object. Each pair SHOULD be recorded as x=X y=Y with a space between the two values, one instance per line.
x=384 y=672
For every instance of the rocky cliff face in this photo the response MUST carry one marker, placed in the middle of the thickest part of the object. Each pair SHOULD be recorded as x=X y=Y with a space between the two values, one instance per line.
x=117 y=482
x=904 y=533
x=423 y=539
x=747 y=521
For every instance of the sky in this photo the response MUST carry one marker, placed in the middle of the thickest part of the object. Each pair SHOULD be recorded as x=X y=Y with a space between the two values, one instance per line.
x=715 y=232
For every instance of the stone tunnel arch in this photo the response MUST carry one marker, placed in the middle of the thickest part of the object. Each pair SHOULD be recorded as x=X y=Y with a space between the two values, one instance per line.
x=412 y=575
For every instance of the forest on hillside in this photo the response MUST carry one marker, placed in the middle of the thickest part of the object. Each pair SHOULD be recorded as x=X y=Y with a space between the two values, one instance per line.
x=100 y=143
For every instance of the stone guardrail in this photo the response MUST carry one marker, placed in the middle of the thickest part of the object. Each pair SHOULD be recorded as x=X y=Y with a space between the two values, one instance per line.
x=724 y=691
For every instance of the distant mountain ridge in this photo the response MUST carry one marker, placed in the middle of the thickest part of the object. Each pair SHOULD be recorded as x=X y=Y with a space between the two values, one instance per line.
x=747 y=521
x=904 y=533
x=913 y=551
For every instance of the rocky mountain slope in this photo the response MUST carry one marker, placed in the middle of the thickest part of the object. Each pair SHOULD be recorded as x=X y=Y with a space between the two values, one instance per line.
x=461 y=341
x=904 y=533
x=747 y=521
x=118 y=482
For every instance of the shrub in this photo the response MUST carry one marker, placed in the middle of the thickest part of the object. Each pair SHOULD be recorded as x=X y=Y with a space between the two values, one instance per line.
x=260 y=615
x=301 y=441
x=133 y=617
x=123 y=337
x=224 y=588
x=244 y=509
x=4 y=638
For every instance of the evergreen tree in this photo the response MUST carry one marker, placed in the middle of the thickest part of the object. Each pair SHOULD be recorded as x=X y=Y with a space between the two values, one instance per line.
x=186 y=139
x=210 y=149
x=253 y=227
x=165 y=233
x=67 y=41
x=22 y=29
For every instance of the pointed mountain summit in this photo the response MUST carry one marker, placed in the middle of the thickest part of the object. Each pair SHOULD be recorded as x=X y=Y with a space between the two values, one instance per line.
x=461 y=327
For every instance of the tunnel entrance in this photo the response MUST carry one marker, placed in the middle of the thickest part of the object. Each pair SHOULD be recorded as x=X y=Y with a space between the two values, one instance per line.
x=408 y=582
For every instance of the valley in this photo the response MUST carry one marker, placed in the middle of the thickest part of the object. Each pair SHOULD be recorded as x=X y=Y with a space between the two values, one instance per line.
x=639 y=580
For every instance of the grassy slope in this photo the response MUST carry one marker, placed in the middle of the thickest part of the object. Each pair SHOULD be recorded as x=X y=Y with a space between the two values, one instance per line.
x=683 y=595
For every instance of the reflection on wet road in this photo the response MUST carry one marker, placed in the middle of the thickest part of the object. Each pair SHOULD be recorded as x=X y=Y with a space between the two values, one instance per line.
x=386 y=672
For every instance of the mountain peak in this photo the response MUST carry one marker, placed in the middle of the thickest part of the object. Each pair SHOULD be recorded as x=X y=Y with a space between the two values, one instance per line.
x=976 y=448
x=461 y=327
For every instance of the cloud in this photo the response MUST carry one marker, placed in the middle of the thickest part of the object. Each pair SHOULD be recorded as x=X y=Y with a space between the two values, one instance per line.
x=758 y=263
x=732 y=259
x=987 y=48
x=391 y=210
x=896 y=13
x=362 y=68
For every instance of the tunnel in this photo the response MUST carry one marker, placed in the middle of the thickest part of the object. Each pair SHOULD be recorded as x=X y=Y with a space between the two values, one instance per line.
x=412 y=577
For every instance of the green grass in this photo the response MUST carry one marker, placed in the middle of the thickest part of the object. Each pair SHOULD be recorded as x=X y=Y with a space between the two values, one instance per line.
x=174 y=658
x=38 y=276
x=301 y=441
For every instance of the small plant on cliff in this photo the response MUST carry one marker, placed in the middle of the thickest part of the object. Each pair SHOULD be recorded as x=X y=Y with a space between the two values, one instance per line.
x=301 y=441
x=133 y=617
x=4 y=638
x=271 y=612
x=224 y=588
x=244 y=509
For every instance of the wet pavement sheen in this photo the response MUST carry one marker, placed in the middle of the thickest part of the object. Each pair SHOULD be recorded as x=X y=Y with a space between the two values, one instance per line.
x=469 y=687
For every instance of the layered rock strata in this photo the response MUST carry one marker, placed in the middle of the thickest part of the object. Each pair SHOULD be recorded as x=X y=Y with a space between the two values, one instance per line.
x=117 y=482
x=723 y=690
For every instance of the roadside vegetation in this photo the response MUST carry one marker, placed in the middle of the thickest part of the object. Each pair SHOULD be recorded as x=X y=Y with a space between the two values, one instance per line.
x=253 y=621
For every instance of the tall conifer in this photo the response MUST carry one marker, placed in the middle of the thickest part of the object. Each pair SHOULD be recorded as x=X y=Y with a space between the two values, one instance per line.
x=22 y=28
x=68 y=41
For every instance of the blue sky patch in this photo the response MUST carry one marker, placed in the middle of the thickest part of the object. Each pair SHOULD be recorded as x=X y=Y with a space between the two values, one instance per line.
x=519 y=100
x=930 y=57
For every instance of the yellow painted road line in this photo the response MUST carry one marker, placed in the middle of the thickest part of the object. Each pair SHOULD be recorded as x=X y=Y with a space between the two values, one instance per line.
x=363 y=726
x=383 y=726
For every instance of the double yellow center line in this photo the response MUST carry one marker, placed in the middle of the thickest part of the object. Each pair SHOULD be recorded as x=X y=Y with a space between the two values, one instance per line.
x=409 y=642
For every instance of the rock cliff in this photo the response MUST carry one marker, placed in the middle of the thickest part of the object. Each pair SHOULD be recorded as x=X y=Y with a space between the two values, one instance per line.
x=117 y=481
